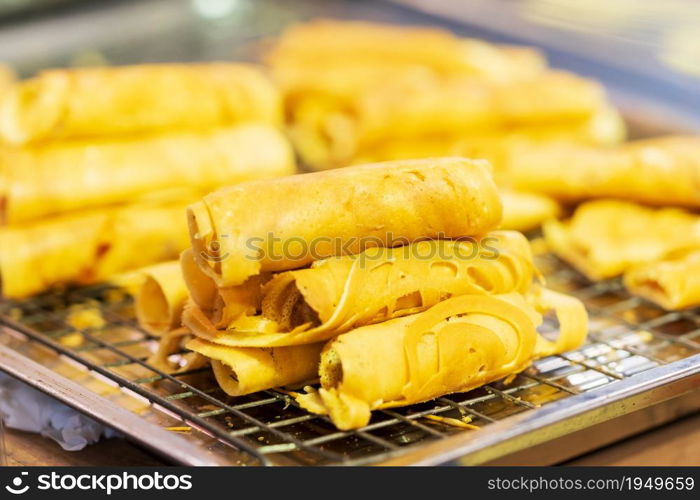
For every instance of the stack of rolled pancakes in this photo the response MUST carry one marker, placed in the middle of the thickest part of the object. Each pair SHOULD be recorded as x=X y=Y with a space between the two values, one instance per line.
x=387 y=281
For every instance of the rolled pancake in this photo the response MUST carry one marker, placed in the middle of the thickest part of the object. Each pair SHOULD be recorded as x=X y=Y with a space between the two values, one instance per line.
x=173 y=342
x=420 y=103
x=330 y=133
x=98 y=102
x=341 y=293
x=221 y=305
x=44 y=180
x=673 y=282
x=526 y=211
x=455 y=346
x=244 y=370
x=161 y=297
x=659 y=171
x=496 y=146
x=289 y=222
x=349 y=55
x=604 y=238
x=88 y=247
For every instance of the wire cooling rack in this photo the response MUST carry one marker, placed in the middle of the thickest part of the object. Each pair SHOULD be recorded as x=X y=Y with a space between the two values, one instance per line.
x=628 y=337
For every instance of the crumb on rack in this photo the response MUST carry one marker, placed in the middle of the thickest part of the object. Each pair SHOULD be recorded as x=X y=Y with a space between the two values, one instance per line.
x=85 y=316
x=181 y=428
x=463 y=423
x=74 y=339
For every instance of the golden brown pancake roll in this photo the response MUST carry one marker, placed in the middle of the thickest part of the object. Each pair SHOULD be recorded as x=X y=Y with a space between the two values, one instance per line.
x=420 y=111
x=98 y=102
x=496 y=146
x=659 y=171
x=222 y=306
x=349 y=54
x=341 y=293
x=457 y=345
x=161 y=297
x=605 y=238
x=289 y=222
x=87 y=247
x=43 y=180
x=244 y=370
x=422 y=104
x=172 y=343
x=672 y=282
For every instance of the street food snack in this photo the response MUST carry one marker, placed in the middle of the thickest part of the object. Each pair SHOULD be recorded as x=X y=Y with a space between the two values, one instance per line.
x=672 y=282
x=605 y=238
x=43 y=180
x=243 y=370
x=302 y=218
x=457 y=345
x=337 y=294
x=88 y=247
x=659 y=171
x=82 y=103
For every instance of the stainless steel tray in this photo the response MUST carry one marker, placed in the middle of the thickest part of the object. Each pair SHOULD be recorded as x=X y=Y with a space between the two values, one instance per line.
x=638 y=356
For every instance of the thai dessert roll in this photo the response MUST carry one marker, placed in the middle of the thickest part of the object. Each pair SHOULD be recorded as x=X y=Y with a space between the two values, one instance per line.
x=420 y=104
x=222 y=305
x=352 y=54
x=604 y=238
x=571 y=315
x=88 y=247
x=244 y=370
x=84 y=103
x=383 y=92
x=202 y=289
x=161 y=297
x=171 y=355
x=340 y=293
x=658 y=171
x=457 y=345
x=672 y=282
x=303 y=218
x=497 y=146
x=47 y=179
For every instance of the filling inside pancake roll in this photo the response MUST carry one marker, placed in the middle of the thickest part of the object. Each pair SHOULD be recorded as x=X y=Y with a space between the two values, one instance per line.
x=160 y=299
x=303 y=218
x=243 y=370
x=340 y=293
x=459 y=344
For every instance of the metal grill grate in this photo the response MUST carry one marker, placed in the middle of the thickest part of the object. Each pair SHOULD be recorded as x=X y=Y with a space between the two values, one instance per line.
x=627 y=336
